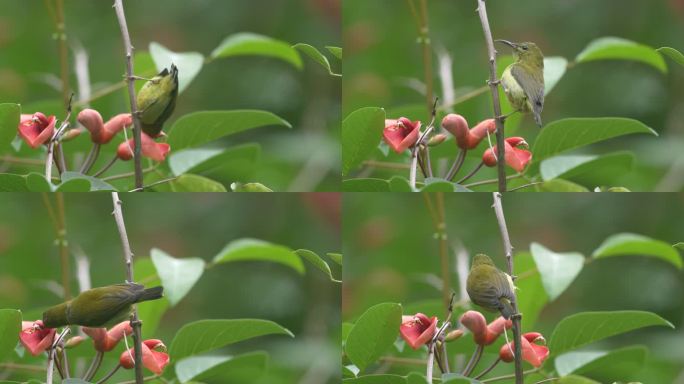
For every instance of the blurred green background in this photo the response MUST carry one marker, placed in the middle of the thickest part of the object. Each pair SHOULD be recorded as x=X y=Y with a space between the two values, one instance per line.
x=190 y=225
x=302 y=159
x=383 y=63
x=391 y=255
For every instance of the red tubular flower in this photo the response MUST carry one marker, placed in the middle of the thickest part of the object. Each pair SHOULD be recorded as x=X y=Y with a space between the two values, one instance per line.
x=479 y=132
x=100 y=132
x=401 y=134
x=484 y=334
x=36 y=129
x=533 y=353
x=35 y=337
x=104 y=340
x=516 y=158
x=418 y=329
x=154 y=356
x=150 y=148
x=457 y=126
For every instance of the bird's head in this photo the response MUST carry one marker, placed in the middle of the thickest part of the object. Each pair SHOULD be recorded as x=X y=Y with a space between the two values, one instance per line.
x=526 y=52
x=482 y=259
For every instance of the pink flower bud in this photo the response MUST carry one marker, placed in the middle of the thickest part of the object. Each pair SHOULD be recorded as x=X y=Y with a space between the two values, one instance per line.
x=457 y=126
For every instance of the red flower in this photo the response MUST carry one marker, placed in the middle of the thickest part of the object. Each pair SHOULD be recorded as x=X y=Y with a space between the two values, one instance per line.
x=534 y=354
x=154 y=356
x=35 y=338
x=479 y=132
x=484 y=334
x=102 y=133
x=401 y=134
x=418 y=329
x=516 y=158
x=36 y=129
x=104 y=340
x=457 y=126
x=150 y=148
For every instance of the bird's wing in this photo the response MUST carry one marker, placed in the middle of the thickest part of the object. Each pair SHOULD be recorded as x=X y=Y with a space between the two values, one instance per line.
x=99 y=305
x=533 y=87
x=505 y=286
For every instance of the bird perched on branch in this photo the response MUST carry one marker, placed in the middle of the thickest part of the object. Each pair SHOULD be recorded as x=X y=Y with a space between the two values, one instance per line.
x=100 y=307
x=157 y=99
x=523 y=81
x=489 y=287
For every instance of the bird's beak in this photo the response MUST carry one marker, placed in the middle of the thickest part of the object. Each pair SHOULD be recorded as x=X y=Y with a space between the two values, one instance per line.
x=512 y=45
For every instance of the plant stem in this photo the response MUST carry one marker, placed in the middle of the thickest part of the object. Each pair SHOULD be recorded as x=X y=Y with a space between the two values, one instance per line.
x=488 y=369
x=508 y=251
x=91 y=158
x=506 y=377
x=490 y=181
x=430 y=361
x=137 y=129
x=25 y=367
x=494 y=88
x=129 y=174
x=458 y=163
x=109 y=374
x=471 y=173
x=128 y=258
x=474 y=359
x=94 y=366
x=107 y=166
x=148 y=378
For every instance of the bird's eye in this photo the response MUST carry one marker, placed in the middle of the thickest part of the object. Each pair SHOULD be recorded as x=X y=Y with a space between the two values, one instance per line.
x=524 y=47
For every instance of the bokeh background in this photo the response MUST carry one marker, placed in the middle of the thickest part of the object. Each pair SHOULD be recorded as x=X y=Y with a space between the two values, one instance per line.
x=391 y=255
x=190 y=225
x=305 y=158
x=383 y=66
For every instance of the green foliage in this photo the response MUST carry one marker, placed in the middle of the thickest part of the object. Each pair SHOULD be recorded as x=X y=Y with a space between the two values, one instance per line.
x=246 y=43
x=618 y=364
x=365 y=185
x=10 y=325
x=259 y=250
x=241 y=368
x=557 y=270
x=554 y=69
x=372 y=334
x=673 y=54
x=193 y=183
x=189 y=63
x=317 y=261
x=12 y=183
x=9 y=120
x=376 y=379
x=615 y=48
x=361 y=133
x=578 y=166
x=315 y=54
x=624 y=244
x=177 y=275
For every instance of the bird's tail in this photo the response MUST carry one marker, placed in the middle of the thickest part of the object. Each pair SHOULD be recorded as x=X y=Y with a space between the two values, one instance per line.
x=151 y=294
x=537 y=119
x=506 y=308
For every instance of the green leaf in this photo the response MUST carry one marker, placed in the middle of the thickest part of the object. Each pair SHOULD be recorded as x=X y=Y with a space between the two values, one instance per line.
x=229 y=369
x=569 y=166
x=434 y=184
x=258 y=250
x=10 y=326
x=554 y=69
x=150 y=312
x=624 y=244
x=94 y=184
x=557 y=270
x=199 y=128
x=35 y=182
x=206 y=335
x=239 y=161
x=622 y=362
x=336 y=257
x=376 y=379
x=195 y=183
x=75 y=381
x=416 y=378
x=244 y=44
x=530 y=294
x=361 y=133
x=74 y=185
x=673 y=54
x=399 y=184
x=365 y=185
x=679 y=246
x=177 y=275
x=12 y=183
x=373 y=333
x=337 y=51
x=562 y=135
x=572 y=379
x=317 y=56
x=587 y=327
x=9 y=123
x=249 y=187
x=189 y=63
x=560 y=185
x=317 y=261
x=615 y=48
x=457 y=378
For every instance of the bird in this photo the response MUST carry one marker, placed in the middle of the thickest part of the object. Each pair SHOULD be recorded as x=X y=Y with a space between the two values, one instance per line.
x=490 y=288
x=100 y=307
x=156 y=100
x=523 y=81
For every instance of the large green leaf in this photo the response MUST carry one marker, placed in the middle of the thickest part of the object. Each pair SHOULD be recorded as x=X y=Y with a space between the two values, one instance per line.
x=206 y=335
x=74 y=185
x=317 y=261
x=376 y=379
x=10 y=326
x=315 y=54
x=75 y=381
x=36 y=182
x=189 y=63
x=249 y=44
x=177 y=275
x=373 y=333
x=236 y=162
x=673 y=54
x=530 y=294
x=12 y=183
x=570 y=166
x=561 y=185
x=572 y=379
x=365 y=185
x=624 y=244
x=361 y=134
x=200 y=128
x=227 y=369
x=557 y=270
x=587 y=327
x=621 y=363
x=616 y=48
x=9 y=122
x=188 y=182
x=149 y=312
x=258 y=250
x=562 y=135
x=337 y=51
x=554 y=69
x=94 y=183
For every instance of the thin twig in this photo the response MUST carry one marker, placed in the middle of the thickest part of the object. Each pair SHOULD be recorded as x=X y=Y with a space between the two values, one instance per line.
x=506 y=377
x=106 y=167
x=488 y=369
x=508 y=251
x=155 y=183
x=137 y=129
x=494 y=88
x=129 y=174
x=491 y=181
x=430 y=361
x=94 y=366
x=458 y=163
x=474 y=359
x=25 y=367
x=128 y=258
x=471 y=173
x=91 y=158
x=109 y=374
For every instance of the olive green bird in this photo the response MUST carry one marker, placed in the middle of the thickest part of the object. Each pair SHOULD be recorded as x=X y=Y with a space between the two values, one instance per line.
x=157 y=99
x=100 y=307
x=523 y=81
x=489 y=287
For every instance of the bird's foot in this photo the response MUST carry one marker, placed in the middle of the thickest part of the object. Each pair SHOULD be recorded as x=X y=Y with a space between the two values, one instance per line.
x=516 y=316
x=134 y=77
x=136 y=322
x=495 y=82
